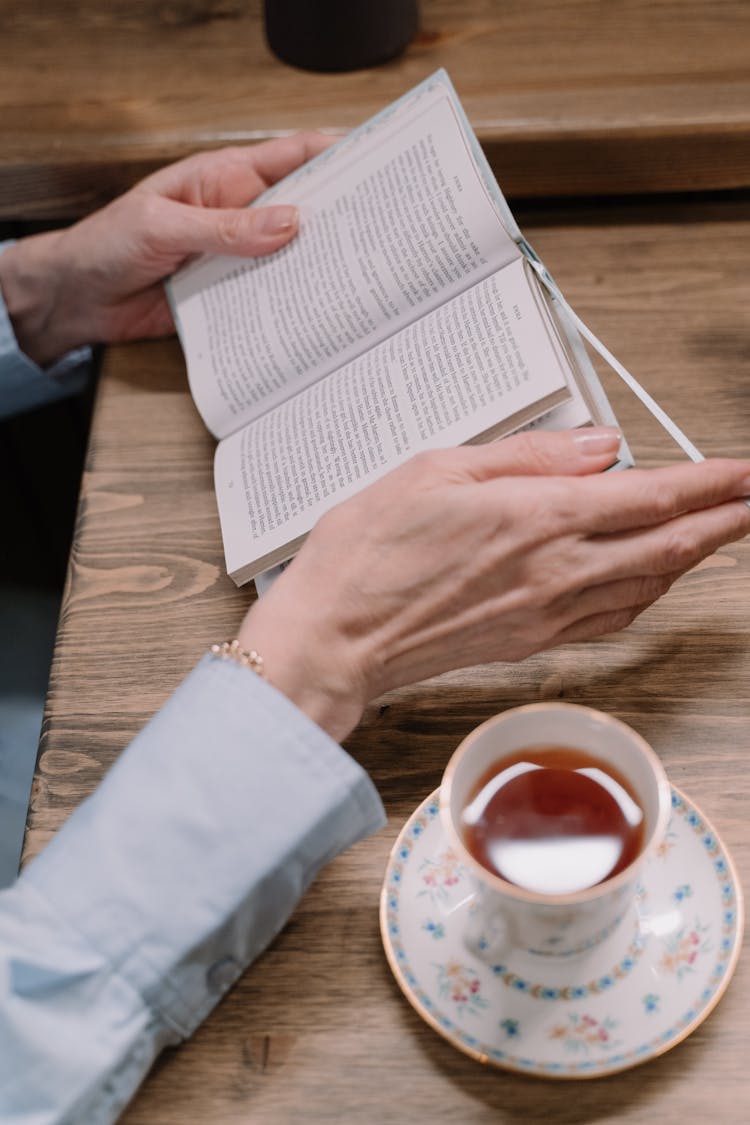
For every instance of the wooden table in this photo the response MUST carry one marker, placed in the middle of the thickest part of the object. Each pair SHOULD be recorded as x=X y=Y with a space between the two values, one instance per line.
x=569 y=97
x=318 y=1030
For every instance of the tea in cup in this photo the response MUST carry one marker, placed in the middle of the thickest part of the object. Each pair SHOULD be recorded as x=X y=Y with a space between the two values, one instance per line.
x=555 y=808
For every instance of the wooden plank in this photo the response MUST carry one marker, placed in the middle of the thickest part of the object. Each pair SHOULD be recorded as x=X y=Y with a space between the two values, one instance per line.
x=318 y=1028
x=569 y=97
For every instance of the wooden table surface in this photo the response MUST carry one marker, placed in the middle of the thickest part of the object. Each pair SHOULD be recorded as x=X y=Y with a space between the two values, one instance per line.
x=318 y=1030
x=569 y=97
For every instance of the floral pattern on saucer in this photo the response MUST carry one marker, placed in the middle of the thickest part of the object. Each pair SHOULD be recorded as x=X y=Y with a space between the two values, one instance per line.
x=640 y=992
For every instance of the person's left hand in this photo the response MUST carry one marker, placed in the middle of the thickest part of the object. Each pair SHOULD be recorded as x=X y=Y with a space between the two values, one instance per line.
x=101 y=280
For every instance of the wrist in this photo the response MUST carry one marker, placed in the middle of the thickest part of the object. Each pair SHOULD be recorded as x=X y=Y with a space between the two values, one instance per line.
x=32 y=280
x=306 y=661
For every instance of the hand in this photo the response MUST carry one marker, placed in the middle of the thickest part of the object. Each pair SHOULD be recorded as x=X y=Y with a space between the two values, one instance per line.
x=101 y=280
x=484 y=553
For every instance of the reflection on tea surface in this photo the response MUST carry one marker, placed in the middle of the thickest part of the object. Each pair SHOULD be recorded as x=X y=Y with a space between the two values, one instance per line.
x=553 y=820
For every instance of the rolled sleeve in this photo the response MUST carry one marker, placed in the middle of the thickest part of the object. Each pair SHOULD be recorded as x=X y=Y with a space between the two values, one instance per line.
x=169 y=881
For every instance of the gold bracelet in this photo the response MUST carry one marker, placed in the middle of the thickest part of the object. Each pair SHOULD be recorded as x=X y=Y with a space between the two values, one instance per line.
x=230 y=650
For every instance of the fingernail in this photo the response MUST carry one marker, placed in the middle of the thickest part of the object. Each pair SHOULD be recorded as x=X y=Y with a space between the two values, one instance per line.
x=275 y=221
x=594 y=441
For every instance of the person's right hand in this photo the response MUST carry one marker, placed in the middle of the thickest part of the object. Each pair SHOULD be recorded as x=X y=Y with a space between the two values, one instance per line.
x=484 y=553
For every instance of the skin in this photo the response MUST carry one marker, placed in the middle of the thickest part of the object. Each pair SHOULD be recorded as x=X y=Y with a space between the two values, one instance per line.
x=100 y=281
x=459 y=556
x=448 y=562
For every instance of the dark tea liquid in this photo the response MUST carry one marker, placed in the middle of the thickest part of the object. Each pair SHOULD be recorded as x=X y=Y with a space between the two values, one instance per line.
x=553 y=820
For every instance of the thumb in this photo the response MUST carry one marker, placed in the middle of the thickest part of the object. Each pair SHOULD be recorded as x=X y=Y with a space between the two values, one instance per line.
x=565 y=453
x=245 y=231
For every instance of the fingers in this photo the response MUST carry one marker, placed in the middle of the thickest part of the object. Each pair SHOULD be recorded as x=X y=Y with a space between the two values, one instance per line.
x=677 y=545
x=234 y=176
x=272 y=160
x=247 y=232
x=647 y=497
x=599 y=625
x=615 y=597
x=202 y=201
x=565 y=453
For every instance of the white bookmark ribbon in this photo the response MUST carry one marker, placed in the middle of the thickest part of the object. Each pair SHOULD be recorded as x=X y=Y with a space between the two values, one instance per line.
x=651 y=404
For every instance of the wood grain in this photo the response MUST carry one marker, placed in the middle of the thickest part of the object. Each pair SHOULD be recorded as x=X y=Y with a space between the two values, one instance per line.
x=318 y=1029
x=568 y=97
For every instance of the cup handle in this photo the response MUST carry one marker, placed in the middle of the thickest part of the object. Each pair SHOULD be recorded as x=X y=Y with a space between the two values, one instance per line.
x=488 y=935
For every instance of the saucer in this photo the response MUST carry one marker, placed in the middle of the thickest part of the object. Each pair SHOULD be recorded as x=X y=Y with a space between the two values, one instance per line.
x=629 y=999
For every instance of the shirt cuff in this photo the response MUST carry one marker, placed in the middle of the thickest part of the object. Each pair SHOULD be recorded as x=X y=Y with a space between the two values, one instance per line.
x=23 y=384
x=193 y=852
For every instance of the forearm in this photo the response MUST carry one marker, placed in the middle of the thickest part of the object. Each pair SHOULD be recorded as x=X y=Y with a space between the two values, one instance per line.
x=160 y=890
x=34 y=286
x=23 y=383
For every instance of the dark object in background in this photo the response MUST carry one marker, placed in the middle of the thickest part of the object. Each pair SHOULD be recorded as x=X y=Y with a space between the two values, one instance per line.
x=331 y=35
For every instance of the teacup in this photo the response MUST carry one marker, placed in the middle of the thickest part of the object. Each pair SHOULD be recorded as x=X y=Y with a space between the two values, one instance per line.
x=507 y=916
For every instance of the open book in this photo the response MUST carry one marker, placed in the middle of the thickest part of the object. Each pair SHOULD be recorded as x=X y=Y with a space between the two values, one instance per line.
x=408 y=314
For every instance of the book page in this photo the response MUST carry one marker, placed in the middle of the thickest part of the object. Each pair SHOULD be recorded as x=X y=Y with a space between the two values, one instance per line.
x=394 y=221
x=482 y=364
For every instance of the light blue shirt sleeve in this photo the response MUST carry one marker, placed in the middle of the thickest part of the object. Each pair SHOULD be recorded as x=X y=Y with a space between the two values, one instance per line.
x=23 y=384
x=162 y=887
